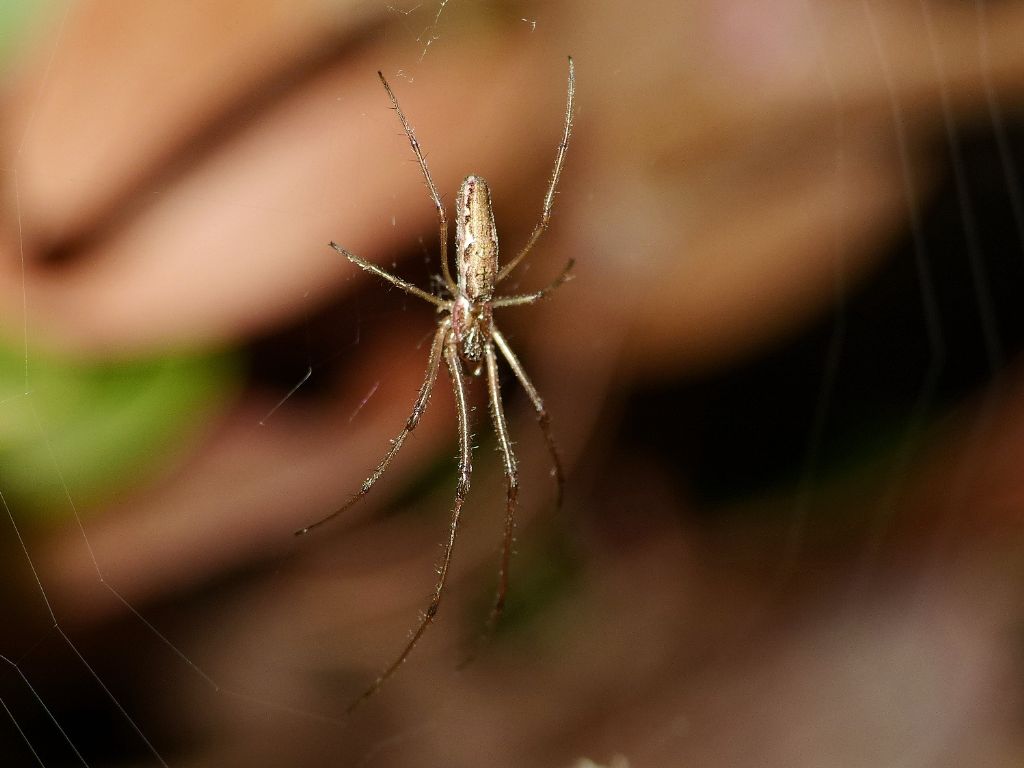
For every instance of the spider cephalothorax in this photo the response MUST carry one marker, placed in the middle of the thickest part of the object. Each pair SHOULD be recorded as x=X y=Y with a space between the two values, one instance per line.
x=471 y=327
x=466 y=334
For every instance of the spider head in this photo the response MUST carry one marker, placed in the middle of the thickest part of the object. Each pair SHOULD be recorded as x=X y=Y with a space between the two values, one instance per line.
x=471 y=325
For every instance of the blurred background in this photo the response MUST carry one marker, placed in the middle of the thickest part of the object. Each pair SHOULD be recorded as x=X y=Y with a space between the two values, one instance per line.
x=785 y=379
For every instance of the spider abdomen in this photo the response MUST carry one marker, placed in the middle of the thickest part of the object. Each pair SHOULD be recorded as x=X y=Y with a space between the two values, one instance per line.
x=476 y=240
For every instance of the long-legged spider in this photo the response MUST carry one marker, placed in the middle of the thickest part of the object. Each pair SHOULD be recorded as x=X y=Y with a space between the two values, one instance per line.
x=466 y=335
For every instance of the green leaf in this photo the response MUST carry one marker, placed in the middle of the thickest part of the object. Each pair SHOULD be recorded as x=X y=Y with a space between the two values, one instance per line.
x=15 y=16
x=89 y=430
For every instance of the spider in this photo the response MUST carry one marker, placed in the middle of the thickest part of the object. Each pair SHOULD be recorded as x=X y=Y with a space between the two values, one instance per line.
x=466 y=338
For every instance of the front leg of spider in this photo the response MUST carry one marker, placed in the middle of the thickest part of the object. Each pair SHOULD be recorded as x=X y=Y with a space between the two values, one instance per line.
x=466 y=339
x=451 y=357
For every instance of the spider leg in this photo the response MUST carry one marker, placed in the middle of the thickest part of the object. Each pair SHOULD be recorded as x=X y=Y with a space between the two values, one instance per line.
x=530 y=298
x=511 y=484
x=398 y=282
x=538 y=405
x=440 y=338
x=451 y=357
x=442 y=219
x=549 y=198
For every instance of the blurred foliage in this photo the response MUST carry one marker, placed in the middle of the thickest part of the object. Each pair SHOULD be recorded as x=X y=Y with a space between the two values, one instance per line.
x=98 y=427
x=14 y=15
x=91 y=429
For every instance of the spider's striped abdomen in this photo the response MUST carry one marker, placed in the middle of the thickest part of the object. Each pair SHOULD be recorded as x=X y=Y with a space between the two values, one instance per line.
x=476 y=240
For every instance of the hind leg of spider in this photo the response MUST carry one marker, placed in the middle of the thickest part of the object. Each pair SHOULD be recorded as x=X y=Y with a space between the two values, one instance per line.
x=435 y=197
x=436 y=348
x=451 y=357
x=549 y=198
x=398 y=282
x=538 y=406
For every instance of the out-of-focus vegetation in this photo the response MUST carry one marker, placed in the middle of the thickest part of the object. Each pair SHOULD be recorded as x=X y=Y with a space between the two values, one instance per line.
x=92 y=429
